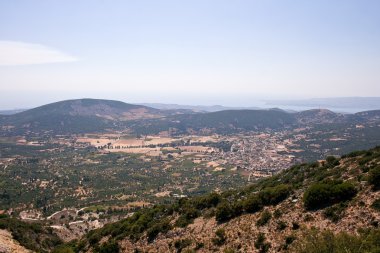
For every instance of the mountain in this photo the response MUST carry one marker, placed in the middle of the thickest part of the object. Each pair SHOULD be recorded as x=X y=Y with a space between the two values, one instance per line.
x=318 y=116
x=330 y=205
x=196 y=108
x=96 y=115
x=373 y=115
x=9 y=112
x=223 y=122
x=75 y=116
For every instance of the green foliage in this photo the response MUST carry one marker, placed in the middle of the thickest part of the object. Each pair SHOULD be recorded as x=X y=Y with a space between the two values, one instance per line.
x=374 y=177
x=274 y=195
x=261 y=244
x=208 y=201
x=288 y=241
x=63 y=249
x=315 y=241
x=295 y=225
x=264 y=218
x=281 y=225
x=252 y=204
x=181 y=244
x=277 y=213
x=220 y=238
x=109 y=247
x=161 y=227
x=376 y=205
x=335 y=212
x=332 y=161
x=224 y=212
x=320 y=195
x=32 y=236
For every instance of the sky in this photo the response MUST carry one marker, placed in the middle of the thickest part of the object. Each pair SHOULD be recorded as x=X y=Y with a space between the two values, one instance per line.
x=187 y=52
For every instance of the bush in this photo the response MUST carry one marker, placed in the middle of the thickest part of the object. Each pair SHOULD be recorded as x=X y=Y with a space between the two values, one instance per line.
x=252 y=204
x=325 y=194
x=374 y=177
x=376 y=205
x=264 y=218
x=208 y=201
x=332 y=161
x=281 y=225
x=335 y=212
x=109 y=247
x=188 y=216
x=315 y=241
x=181 y=244
x=224 y=212
x=63 y=249
x=161 y=227
x=295 y=225
x=274 y=195
x=220 y=238
x=261 y=244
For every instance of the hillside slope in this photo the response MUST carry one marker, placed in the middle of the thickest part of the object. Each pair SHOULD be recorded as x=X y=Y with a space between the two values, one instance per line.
x=76 y=116
x=228 y=121
x=272 y=215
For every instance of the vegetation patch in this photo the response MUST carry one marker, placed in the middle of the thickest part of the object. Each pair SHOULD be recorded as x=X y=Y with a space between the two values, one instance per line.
x=376 y=205
x=374 y=177
x=33 y=236
x=315 y=241
x=327 y=193
x=264 y=218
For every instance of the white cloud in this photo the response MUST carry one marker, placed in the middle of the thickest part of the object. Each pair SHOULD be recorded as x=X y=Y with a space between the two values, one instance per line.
x=14 y=53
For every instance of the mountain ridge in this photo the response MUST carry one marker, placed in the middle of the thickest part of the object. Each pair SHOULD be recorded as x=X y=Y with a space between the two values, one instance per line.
x=98 y=115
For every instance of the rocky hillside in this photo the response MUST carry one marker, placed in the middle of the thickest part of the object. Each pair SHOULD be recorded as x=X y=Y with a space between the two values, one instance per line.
x=19 y=237
x=327 y=206
x=284 y=213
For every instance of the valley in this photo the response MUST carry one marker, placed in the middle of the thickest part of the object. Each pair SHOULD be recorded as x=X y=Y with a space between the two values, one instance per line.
x=75 y=180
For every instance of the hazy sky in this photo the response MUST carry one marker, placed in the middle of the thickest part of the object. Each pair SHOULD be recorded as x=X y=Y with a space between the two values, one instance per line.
x=189 y=52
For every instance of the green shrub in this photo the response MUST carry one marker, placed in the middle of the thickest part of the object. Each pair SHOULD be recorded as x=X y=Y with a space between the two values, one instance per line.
x=295 y=225
x=161 y=227
x=208 y=201
x=281 y=225
x=335 y=212
x=187 y=217
x=224 y=212
x=376 y=205
x=252 y=204
x=374 y=177
x=261 y=244
x=220 y=238
x=274 y=195
x=264 y=218
x=332 y=161
x=315 y=241
x=63 y=249
x=109 y=247
x=325 y=194
x=277 y=213
x=181 y=244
